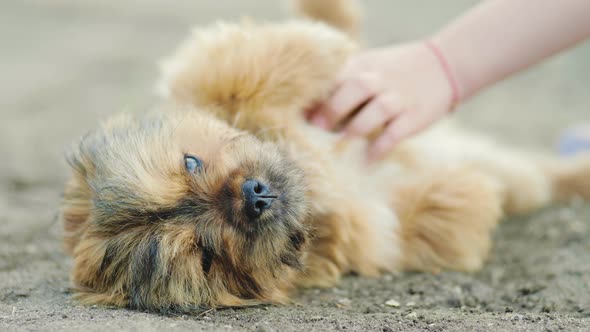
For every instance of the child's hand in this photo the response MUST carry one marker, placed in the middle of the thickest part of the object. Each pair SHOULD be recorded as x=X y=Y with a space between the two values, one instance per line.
x=403 y=89
x=406 y=88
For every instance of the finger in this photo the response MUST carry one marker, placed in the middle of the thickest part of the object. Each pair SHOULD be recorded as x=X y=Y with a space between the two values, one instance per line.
x=349 y=96
x=401 y=127
x=377 y=112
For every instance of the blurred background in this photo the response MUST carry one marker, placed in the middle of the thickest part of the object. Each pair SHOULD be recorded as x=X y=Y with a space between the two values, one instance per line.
x=67 y=64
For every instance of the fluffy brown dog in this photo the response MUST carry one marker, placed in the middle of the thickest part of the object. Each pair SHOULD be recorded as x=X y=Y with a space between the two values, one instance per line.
x=234 y=200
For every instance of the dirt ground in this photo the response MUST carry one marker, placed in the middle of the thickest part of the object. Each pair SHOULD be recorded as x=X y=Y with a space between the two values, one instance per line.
x=66 y=64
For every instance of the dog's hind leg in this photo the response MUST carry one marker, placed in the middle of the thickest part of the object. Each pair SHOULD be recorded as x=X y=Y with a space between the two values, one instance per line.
x=570 y=177
x=530 y=182
x=446 y=219
x=527 y=181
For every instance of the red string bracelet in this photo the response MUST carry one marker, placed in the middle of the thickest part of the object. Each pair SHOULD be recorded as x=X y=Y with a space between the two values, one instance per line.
x=448 y=73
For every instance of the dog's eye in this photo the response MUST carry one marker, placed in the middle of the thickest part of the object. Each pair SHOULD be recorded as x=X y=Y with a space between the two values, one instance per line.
x=193 y=164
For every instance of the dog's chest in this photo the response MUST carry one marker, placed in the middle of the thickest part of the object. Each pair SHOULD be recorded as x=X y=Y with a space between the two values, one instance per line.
x=363 y=194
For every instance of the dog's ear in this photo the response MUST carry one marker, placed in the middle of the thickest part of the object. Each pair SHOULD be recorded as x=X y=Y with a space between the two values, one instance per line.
x=254 y=67
x=76 y=204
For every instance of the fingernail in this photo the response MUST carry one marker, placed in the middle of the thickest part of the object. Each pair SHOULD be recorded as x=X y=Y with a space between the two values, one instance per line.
x=370 y=160
x=320 y=121
x=374 y=154
x=342 y=134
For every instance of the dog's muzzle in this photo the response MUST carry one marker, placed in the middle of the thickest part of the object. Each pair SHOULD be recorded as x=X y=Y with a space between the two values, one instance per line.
x=257 y=198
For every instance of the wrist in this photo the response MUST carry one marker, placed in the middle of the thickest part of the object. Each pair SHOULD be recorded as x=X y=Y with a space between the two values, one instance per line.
x=447 y=71
x=467 y=68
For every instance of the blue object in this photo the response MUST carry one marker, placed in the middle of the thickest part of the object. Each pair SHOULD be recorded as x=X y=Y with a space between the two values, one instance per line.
x=574 y=141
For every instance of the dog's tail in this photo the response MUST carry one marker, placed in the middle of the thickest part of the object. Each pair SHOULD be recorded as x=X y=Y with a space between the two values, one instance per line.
x=344 y=15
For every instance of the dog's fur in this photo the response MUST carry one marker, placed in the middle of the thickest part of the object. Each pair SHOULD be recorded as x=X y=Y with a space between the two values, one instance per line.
x=147 y=234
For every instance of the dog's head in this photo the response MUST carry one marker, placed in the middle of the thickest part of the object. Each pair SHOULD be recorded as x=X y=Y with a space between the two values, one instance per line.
x=179 y=209
x=175 y=210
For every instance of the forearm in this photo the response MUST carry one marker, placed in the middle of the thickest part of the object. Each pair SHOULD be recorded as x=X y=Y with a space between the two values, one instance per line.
x=500 y=37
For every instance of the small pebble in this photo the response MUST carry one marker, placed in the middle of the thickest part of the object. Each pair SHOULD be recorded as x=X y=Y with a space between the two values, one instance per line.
x=412 y=315
x=392 y=303
x=343 y=303
x=262 y=328
x=411 y=304
x=371 y=310
x=517 y=317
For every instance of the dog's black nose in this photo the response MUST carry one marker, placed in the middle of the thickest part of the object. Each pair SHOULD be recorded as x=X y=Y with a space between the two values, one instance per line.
x=257 y=198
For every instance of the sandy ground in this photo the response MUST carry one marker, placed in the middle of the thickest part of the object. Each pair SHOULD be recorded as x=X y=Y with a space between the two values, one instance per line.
x=66 y=64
